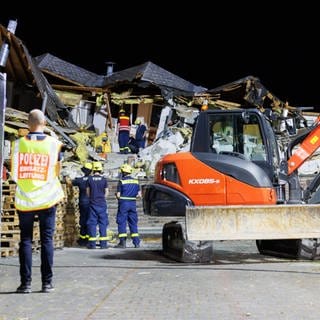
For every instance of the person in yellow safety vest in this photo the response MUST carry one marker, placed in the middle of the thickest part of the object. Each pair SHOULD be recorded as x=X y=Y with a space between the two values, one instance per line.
x=128 y=190
x=97 y=191
x=35 y=167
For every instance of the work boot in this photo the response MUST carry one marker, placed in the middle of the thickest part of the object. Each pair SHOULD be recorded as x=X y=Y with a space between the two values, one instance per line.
x=121 y=244
x=24 y=288
x=47 y=287
x=103 y=244
x=82 y=242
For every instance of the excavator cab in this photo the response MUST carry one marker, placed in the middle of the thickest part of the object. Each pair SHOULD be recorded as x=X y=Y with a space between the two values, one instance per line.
x=245 y=134
x=233 y=160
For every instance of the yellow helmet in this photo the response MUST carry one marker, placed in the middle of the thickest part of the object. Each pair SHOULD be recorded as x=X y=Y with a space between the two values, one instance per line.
x=88 y=165
x=138 y=121
x=122 y=111
x=97 y=166
x=126 y=168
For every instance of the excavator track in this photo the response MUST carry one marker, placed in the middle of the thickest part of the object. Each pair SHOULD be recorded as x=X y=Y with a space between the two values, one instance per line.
x=301 y=249
x=176 y=247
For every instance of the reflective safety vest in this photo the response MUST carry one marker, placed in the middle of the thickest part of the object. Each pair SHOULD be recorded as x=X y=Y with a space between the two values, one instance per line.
x=124 y=123
x=34 y=169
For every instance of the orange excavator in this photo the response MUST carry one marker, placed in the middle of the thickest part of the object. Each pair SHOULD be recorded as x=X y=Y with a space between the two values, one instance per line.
x=238 y=181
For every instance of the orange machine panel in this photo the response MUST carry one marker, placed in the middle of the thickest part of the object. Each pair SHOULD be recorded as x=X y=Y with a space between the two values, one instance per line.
x=206 y=186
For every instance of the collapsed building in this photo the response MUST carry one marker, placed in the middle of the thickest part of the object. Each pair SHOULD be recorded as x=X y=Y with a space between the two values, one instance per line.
x=167 y=103
x=82 y=109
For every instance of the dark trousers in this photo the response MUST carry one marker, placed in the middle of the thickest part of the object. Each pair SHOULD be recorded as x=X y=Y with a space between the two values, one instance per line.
x=127 y=212
x=141 y=143
x=123 y=140
x=84 y=211
x=47 y=226
x=98 y=216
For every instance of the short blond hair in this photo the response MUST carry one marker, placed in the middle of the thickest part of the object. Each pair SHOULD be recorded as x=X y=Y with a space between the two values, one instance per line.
x=36 y=118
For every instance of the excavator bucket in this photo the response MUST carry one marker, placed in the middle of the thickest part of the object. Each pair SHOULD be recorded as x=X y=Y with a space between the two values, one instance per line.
x=253 y=222
x=289 y=231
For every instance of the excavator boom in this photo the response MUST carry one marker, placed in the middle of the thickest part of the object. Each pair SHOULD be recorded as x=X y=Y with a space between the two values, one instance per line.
x=307 y=148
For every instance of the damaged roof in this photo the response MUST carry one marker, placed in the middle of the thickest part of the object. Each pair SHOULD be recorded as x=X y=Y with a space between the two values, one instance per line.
x=21 y=68
x=17 y=64
x=246 y=91
x=149 y=72
x=69 y=72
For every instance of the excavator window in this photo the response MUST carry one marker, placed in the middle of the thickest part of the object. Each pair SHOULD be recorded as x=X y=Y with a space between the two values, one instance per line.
x=231 y=134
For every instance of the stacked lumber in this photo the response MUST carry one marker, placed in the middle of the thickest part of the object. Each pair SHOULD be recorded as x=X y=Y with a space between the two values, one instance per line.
x=10 y=232
x=70 y=213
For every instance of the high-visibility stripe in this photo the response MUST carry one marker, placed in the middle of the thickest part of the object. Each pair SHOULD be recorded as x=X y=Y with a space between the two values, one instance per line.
x=131 y=181
x=39 y=199
x=128 y=198
x=122 y=235
x=134 y=235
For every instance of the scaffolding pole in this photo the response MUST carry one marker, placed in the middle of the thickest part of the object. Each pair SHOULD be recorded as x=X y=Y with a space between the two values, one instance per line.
x=4 y=54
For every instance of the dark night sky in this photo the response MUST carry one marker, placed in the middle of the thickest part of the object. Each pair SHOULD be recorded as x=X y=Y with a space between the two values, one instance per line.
x=206 y=45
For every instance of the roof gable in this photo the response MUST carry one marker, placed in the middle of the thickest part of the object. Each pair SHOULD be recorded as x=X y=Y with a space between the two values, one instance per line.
x=154 y=74
x=67 y=71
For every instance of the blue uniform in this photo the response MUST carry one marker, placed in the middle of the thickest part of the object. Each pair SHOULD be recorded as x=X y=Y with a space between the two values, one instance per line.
x=98 y=214
x=81 y=183
x=140 y=136
x=127 y=210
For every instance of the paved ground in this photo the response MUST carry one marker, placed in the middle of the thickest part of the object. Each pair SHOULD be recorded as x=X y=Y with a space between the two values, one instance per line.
x=142 y=284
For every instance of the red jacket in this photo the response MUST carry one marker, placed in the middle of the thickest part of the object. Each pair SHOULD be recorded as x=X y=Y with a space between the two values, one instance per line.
x=124 y=123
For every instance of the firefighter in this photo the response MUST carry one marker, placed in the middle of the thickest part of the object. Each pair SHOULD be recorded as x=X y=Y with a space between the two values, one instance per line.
x=128 y=190
x=97 y=191
x=123 y=131
x=81 y=183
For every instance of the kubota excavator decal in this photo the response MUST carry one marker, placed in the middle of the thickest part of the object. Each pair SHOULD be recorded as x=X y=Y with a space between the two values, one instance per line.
x=204 y=181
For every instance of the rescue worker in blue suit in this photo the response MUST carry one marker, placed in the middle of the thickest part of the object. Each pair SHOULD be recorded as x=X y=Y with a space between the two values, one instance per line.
x=141 y=134
x=97 y=190
x=81 y=183
x=128 y=190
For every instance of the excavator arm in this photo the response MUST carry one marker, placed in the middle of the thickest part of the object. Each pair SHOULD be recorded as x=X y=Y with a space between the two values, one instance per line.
x=306 y=149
